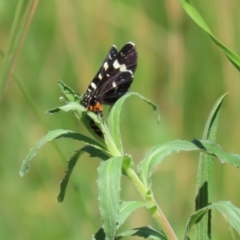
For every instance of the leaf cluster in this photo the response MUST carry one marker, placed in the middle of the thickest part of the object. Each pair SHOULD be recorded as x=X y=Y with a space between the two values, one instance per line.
x=116 y=164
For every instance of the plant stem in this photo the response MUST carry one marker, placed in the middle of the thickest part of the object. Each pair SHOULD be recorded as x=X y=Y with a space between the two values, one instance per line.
x=149 y=198
x=24 y=13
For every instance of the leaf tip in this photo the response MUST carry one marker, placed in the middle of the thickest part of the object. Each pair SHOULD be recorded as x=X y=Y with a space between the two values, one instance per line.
x=23 y=170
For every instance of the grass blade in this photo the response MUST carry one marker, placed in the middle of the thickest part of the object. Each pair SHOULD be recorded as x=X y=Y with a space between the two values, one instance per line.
x=22 y=19
x=195 y=15
x=204 y=175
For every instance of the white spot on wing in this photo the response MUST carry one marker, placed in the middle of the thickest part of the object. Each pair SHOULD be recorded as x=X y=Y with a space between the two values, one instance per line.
x=123 y=68
x=100 y=76
x=105 y=65
x=116 y=64
x=93 y=85
x=114 y=85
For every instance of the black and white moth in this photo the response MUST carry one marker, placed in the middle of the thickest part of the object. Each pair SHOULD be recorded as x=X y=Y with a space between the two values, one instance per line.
x=112 y=80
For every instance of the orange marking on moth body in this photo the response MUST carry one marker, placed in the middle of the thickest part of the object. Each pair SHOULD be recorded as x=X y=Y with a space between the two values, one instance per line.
x=97 y=108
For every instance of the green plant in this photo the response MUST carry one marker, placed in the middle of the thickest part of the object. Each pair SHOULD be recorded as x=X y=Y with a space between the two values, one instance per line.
x=23 y=16
x=115 y=164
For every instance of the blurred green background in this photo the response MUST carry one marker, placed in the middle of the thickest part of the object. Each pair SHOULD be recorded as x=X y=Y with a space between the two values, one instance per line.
x=179 y=68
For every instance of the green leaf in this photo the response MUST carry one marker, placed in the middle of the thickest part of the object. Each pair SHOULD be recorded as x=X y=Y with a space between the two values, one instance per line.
x=96 y=152
x=227 y=209
x=145 y=232
x=93 y=152
x=127 y=208
x=79 y=111
x=216 y=151
x=72 y=106
x=71 y=164
x=205 y=169
x=69 y=93
x=160 y=152
x=210 y=129
x=109 y=180
x=55 y=135
x=114 y=117
x=195 y=15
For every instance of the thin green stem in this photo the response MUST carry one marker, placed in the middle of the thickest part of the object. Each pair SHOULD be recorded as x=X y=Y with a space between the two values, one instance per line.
x=24 y=13
x=149 y=198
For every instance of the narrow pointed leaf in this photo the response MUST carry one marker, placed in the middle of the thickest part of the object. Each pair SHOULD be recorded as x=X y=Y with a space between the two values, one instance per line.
x=92 y=151
x=127 y=208
x=114 y=116
x=216 y=151
x=227 y=209
x=55 y=135
x=158 y=153
x=71 y=164
x=205 y=172
x=109 y=180
x=69 y=93
x=72 y=106
x=195 y=15
x=210 y=129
